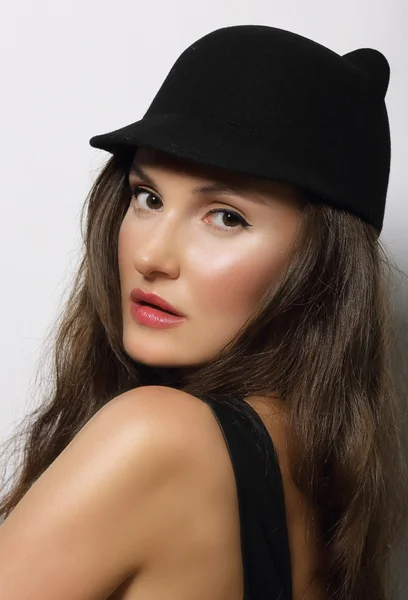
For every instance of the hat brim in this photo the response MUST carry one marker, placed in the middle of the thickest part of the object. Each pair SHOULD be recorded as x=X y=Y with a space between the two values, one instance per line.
x=212 y=142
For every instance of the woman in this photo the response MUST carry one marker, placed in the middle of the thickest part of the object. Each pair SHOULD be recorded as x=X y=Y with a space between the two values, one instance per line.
x=225 y=420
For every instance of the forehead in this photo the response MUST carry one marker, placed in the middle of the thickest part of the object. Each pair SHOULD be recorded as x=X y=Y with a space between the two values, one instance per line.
x=145 y=156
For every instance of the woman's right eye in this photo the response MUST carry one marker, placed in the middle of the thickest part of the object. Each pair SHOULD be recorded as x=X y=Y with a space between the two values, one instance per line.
x=136 y=190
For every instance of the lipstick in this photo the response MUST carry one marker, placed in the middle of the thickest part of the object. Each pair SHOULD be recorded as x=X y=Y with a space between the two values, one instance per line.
x=153 y=311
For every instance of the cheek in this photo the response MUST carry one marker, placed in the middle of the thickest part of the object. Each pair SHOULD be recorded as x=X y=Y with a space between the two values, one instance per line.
x=234 y=281
x=126 y=267
x=125 y=248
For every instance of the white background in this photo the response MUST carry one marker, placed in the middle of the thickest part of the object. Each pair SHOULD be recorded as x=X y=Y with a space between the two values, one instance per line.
x=71 y=70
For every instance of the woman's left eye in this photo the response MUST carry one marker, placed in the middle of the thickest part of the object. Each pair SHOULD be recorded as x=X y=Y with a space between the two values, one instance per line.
x=137 y=190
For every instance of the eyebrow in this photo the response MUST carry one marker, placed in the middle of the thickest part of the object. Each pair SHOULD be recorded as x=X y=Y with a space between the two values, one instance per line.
x=214 y=187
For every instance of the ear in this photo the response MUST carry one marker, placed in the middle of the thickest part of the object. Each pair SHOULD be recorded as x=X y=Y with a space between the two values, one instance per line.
x=374 y=64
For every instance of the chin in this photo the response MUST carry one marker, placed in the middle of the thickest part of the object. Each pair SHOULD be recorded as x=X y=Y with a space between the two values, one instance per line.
x=155 y=353
x=165 y=359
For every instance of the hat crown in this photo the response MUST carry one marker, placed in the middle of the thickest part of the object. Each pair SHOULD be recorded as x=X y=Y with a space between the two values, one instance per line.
x=252 y=75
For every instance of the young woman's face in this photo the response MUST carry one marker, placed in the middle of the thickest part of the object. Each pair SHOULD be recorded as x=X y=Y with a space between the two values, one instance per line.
x=210 y=267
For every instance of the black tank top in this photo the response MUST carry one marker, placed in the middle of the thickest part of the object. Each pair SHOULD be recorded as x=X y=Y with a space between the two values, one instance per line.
x=264 y=536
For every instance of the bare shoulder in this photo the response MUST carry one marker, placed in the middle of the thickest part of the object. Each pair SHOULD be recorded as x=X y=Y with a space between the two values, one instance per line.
x=182 y=429
x=176 y=415
x=159 y=402
x=136 y=472
x=163 y=417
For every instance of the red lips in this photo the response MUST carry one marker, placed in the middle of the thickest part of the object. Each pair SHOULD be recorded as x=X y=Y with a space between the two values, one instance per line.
x=138 y=295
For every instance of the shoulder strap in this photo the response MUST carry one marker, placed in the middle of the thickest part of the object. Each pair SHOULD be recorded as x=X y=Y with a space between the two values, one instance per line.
x=264 y=536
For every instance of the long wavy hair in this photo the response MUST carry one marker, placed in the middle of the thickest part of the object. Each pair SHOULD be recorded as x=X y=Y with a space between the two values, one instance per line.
x=325 y=337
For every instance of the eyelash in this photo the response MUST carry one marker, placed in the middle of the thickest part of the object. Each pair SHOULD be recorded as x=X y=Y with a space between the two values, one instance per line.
x=138 y=188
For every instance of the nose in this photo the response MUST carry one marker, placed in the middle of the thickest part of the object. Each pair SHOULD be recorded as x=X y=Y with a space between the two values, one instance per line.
x=159 y=252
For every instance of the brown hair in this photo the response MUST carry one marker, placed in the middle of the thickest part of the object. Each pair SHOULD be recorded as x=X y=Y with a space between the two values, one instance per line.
x=324 y=337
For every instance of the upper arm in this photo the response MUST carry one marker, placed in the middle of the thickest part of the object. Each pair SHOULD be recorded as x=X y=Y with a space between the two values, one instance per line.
x=92 y=518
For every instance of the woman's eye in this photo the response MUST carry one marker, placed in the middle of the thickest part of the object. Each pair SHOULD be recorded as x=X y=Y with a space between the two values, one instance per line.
x=136 y=193
x=226 y=215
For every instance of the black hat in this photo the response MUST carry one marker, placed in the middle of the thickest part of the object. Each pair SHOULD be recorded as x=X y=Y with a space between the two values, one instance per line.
x=273 y=104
